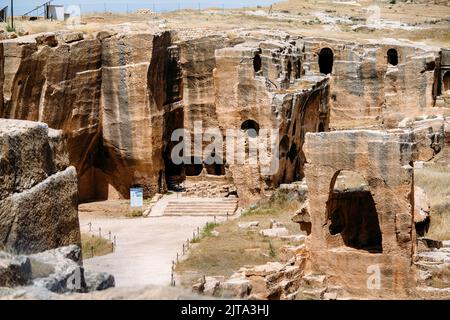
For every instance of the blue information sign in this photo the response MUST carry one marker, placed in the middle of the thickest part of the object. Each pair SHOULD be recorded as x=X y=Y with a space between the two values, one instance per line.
x=136 y=197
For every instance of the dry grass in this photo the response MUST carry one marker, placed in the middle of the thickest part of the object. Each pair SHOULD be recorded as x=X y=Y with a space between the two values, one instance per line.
x=135 y=213
x=435 y=180
x=235 y=247
x=112 y=209
x=96 y=245
x=292 y=16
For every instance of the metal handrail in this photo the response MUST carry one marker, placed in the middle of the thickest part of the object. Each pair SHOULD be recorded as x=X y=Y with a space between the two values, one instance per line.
x=39 y=7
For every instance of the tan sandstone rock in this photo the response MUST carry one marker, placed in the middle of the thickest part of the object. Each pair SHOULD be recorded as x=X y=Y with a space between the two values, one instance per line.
x=38 y=204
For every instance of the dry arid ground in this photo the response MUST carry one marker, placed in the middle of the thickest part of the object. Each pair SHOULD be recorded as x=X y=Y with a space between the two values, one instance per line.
x=110 y=209
x=233 y=247
x=94 y=246
x=419 y=22
x=435 y=180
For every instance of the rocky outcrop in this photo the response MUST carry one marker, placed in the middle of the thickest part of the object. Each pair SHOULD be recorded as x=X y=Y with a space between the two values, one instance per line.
x=361 y=207
x=14 y=271
x=53 y=271
x=372 y=82
x=362 y=204
x=38 y=192
x=271 y=281
x=260 y=85
x=117 y=96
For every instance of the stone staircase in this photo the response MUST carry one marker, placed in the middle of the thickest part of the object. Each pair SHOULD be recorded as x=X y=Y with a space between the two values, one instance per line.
x=433 y=272
x=201 y=207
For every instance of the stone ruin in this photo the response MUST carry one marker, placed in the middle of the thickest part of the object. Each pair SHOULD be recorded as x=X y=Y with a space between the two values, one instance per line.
x=361 y=200
x=364 y=221
x=118 y=96
x=40 y=243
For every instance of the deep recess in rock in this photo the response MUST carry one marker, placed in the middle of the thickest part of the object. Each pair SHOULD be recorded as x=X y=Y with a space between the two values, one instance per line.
x=392 y=57
x=284 y=147
x=352 y=214
x=326 y=60
x=446 y=81
x=173 y=172
x=195 y=167
x=289 y=70
x=422 y=227
x=217 y=169
x=250 y=126
x=298 y=69
x=321 y=127
x=257 y=65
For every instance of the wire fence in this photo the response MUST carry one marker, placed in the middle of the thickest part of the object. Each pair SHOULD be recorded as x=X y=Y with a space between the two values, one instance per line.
x=120 y=6
x=98 y=231
x=196 y=236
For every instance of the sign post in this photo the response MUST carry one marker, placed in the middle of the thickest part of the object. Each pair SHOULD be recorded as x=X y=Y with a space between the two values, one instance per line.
x=136 y=197
x=12 y=15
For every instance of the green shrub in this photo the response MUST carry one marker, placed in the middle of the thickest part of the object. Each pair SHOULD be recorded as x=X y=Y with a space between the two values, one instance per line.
x=10 y=28
x=135 y=214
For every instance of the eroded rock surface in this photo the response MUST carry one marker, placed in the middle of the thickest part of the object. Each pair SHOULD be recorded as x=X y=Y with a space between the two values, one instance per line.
x=38 y=203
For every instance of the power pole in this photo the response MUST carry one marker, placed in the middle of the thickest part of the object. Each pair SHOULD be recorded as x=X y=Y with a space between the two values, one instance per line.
x=12 y=14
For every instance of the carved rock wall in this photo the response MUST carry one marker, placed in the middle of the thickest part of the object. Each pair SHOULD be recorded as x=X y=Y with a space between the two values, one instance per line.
x=367 y=88
x=38 y=192
x=382 y=159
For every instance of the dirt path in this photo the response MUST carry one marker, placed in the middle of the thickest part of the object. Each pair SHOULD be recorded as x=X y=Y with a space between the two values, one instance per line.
x=145 y=247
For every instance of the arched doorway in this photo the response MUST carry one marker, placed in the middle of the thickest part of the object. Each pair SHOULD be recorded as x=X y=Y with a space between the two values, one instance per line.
x=194 y=168
x=289 y=71
x=351 y=212
x=251 y=127
x=326 y=61
x=321 y=127
x=392 y=57
x=446 y=81
x=284 y=147
x=257 y=63
x=298 y=69
x=217 y=168
x=293 y=152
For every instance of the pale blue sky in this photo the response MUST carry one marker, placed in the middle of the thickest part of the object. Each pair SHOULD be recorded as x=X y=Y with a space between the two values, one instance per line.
x=21 y=6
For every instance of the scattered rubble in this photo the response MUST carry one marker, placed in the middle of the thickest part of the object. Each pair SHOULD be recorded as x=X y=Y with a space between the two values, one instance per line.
x=249 y=225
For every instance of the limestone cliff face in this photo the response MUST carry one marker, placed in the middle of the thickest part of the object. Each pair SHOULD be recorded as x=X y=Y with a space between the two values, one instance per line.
x=133 y=96
x=371 y=82
x=56 y=81
x=384 y=235
x=261 y=83
x=198 y=62
x=38 y=192
x=107 y=94
x=118 y=96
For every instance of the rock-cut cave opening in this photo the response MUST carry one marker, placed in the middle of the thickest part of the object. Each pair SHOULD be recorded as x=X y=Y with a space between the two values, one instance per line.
x=298 y=69
x=215 y=169
x=195 y=167
x=446 y=81
x=257 y=64
x=289 y=71
x=392 y=57
x=326 y=61
x=284 y=147
x=321 y=127
x=251 y=127
x=351 y=212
